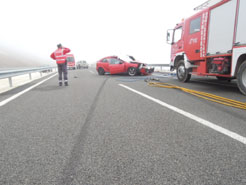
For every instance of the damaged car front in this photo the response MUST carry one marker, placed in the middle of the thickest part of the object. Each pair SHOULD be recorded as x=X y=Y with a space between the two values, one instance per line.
x=143 y=69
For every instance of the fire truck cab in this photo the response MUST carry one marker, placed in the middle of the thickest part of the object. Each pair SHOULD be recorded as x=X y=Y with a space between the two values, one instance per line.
x=70 y=61
x=211 y=43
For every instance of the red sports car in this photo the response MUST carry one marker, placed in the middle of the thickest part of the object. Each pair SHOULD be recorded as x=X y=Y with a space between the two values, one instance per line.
x=115 y=65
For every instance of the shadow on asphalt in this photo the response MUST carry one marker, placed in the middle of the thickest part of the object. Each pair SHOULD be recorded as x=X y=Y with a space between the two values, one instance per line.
x=217 y=86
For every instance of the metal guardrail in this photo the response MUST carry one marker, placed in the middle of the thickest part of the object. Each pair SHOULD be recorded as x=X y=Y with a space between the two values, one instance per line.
x=17 y=72
x=159 y=65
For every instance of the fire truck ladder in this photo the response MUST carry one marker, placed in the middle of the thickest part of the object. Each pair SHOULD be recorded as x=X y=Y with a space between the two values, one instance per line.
x=207 y=4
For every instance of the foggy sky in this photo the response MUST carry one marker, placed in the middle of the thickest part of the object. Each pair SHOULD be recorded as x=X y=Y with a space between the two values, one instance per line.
x=92 y=29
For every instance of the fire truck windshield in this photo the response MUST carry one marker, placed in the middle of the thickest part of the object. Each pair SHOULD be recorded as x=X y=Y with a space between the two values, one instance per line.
x=70 y=59
x=177 y=34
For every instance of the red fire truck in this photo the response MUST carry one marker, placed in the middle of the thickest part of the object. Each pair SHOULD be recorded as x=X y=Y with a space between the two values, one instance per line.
x=70 y=61
x=211 y=43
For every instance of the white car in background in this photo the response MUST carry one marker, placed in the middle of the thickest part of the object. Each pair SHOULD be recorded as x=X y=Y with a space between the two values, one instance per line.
x=82 y=64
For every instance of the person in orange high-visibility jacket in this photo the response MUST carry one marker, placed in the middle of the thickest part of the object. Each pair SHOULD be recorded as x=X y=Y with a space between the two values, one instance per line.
x=60 y=56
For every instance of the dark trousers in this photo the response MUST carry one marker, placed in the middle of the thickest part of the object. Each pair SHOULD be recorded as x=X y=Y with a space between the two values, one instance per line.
x=62 y=68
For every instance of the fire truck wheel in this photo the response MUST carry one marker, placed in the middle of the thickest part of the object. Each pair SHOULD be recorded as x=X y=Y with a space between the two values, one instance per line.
x=241 y=78
x=101 y=71
x=182 y=73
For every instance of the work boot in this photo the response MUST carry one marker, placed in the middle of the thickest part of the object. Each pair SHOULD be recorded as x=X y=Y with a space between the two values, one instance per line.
x=66 y=83
x=60 y=83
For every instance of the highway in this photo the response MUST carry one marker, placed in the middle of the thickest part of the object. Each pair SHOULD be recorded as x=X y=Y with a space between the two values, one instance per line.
x=103 y=130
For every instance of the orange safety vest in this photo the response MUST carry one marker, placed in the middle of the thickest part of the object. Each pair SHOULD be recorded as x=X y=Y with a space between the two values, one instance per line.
x=60 y=56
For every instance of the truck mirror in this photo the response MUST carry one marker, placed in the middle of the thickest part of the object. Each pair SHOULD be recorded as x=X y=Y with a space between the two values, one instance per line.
x=169 y=37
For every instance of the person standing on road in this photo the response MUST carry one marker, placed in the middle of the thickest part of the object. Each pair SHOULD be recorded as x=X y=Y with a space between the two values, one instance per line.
x=60 y=56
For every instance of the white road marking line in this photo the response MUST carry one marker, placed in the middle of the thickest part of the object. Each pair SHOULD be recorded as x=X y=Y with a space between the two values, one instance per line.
x=92 y=72
x=191 y=116
x=4 y=102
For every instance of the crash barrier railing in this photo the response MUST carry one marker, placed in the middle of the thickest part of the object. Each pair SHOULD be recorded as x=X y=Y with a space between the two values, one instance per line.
x=10 y=73
x=159 y=65
x=203 y=95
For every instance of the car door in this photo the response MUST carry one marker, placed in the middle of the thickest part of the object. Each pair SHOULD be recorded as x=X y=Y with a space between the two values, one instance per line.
x=116 y=66
x=105 y=65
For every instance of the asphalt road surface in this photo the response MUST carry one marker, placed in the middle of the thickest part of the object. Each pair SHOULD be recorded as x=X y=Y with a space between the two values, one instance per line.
x=97 y=132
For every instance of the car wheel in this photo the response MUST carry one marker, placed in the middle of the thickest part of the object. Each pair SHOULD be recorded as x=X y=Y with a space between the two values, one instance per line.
x=132 y=71
x=101 y=71
x=182 y=73
x=241 y=78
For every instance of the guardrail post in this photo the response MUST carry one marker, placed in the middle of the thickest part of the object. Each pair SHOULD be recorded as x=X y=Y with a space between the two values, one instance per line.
x=10 y=82
x=30 y=76
x=41 y=74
